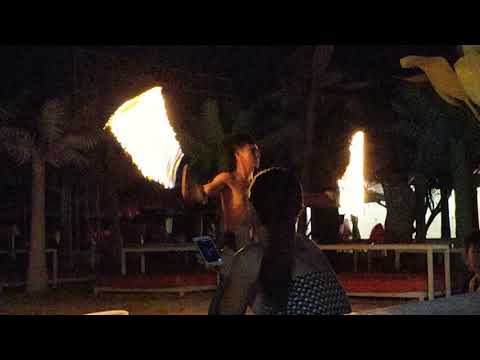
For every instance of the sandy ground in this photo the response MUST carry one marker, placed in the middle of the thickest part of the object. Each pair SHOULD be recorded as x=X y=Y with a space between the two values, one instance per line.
x=79 y=299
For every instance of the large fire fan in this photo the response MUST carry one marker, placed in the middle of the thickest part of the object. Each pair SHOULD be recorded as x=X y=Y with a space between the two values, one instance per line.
x=142 y=127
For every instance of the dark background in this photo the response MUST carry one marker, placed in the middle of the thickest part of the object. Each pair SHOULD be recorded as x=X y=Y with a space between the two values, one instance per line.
x=253 y=69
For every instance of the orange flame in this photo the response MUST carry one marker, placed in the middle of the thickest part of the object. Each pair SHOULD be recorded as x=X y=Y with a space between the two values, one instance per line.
x=352 y=192
x=142 y=127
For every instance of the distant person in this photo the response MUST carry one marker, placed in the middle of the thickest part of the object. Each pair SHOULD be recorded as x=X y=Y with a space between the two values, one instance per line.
x=276 y=273
x=472 y=260
x=345 y=230
x=377 y=235
x=356 y=237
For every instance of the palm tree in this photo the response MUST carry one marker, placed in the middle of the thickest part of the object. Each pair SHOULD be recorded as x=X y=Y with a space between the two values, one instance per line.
x=201 y=136
x=444 y=142
x=309 y=68
x=456 y=86
x=42 y=141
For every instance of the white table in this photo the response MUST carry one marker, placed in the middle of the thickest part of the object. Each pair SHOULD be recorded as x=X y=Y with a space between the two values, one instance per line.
x=153 y=248
x=52 y=251
x=429 y=249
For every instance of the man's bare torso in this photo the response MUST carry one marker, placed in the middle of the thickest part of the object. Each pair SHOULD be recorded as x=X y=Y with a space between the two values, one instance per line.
x=234 y=201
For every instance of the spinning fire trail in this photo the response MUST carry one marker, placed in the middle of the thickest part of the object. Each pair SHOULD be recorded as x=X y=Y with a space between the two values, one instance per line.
x=142 y=127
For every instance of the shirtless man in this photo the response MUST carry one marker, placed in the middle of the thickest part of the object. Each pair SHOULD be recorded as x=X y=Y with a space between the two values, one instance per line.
x=231 y=187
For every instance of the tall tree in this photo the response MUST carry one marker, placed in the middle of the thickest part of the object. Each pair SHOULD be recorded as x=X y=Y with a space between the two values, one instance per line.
x=43 y=140
x=201 y=134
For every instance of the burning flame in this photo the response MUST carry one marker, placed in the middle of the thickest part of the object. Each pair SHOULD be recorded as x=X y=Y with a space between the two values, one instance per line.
x=352 y=193
x=142 y=127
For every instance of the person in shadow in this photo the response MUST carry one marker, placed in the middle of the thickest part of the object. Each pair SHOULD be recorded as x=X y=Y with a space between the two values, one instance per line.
x=278 y=273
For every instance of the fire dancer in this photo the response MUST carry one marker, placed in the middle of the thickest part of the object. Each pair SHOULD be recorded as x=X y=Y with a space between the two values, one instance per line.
x=231 y=187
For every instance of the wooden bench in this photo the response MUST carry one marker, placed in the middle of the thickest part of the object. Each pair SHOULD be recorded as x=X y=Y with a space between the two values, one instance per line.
x=153 y=248
x=428 y=249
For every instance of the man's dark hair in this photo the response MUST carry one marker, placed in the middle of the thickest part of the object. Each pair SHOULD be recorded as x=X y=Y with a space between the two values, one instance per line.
x=231 y=144
x=472 y=240
x=276 y=195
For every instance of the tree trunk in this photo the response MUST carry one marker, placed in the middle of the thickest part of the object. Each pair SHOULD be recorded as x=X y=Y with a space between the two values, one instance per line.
x=98 y=216
x=67 y=222
x=445 y=195
x=116 y=239
x=76 y=218
x=400 y=203
x=37 y=276
x=462 y=183
x=86 y=211
x=86 y=227
x=475 y=207
x=117 y=234
x=420 y=208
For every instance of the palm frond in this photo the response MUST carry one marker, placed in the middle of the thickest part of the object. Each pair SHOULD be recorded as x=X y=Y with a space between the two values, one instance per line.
x=67 y=156
x=210 y=122
x=244 y=121
x=470 y=49
x=51 y=121
x=17 y=143
x=282 y=135
x=15 y=106
x=468 y=71
x=321 y=59
x=79 y=142
x=5 y=115
x=442 y=77
x=190 y=146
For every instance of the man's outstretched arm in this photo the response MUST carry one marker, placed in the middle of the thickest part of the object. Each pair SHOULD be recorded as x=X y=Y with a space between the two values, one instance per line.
x=191 y=192
x=197 y=193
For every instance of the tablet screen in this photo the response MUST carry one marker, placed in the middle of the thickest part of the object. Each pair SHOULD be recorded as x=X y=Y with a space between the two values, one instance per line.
x=208 y=249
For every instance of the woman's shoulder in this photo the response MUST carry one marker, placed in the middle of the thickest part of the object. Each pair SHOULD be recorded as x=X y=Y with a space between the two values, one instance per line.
x=304 y=245
x=311 y=256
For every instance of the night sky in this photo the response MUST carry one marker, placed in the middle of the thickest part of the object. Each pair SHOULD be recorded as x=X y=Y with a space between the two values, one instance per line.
x=252 y=68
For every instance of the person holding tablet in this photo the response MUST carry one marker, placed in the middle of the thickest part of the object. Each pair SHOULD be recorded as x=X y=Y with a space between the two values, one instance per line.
x=231 y=187
x=277 y=273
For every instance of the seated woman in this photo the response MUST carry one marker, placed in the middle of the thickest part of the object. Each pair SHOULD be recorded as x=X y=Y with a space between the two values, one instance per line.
x=277 y=273
x=472 y=260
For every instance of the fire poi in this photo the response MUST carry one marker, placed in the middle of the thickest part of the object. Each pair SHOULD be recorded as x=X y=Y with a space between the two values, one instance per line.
x=142 y=128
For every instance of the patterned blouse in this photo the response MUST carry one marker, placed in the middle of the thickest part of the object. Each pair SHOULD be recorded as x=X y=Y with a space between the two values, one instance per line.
x=315 y=293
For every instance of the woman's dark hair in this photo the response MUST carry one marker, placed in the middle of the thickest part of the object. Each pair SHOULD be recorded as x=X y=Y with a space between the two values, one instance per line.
x=231 y=144
x=276 y=195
